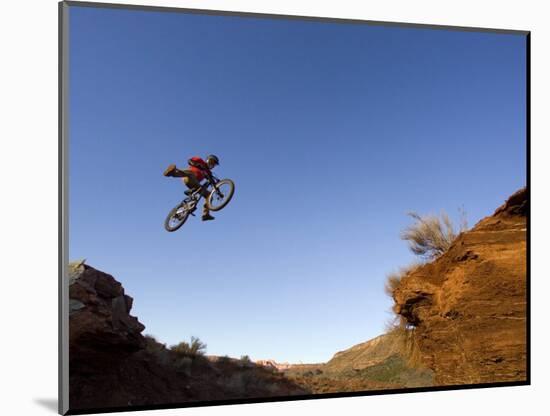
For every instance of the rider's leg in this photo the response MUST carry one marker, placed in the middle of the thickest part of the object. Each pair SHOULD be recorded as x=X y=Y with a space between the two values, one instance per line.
x=173 y=171
x=192 y=182
x=205 y=211
x=169 y=171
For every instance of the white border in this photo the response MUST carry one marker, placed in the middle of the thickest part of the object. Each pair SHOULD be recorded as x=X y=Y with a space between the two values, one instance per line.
x=28 y=167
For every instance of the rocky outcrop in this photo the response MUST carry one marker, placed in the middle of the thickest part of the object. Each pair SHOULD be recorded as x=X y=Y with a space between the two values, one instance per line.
x=112 y=365
x=108 y=363
x=468 y=306
x=100 y=314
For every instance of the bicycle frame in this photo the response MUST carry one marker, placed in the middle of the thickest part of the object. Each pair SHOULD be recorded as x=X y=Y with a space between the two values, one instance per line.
x=196 y=194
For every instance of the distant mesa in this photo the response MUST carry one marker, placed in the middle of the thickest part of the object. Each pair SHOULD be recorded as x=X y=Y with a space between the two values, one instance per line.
x=274 y=364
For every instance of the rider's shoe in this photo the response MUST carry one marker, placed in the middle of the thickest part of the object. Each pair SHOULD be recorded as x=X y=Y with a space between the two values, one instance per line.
x=188 y=192
x=207 y=217
x=170 y=170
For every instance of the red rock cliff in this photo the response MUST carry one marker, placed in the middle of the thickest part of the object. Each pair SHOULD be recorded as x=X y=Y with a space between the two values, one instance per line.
x=469 y=305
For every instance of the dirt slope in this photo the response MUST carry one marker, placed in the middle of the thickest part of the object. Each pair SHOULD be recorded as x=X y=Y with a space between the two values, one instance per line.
x=364 y=355
x=373 y=365
x=469 y=305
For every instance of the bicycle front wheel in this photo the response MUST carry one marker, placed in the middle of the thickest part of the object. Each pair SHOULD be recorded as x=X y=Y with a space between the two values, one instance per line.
x=221 y=194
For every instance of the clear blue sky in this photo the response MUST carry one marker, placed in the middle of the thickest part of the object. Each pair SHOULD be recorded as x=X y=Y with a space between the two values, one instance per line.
x=331 y=132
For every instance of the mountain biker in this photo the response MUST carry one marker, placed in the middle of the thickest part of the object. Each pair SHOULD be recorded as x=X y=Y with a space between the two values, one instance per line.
x=197 y=170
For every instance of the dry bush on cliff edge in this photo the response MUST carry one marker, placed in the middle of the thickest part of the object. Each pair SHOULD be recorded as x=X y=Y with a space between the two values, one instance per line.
x=393 y=279
x=430 y=235
x=406 y=341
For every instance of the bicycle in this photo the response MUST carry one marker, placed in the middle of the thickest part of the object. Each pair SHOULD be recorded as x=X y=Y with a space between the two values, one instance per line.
x=220 y=195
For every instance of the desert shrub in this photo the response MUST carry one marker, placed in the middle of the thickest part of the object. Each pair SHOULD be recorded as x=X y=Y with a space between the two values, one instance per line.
x=406 y=341
x=193 y=349
x=463 y=219
x=393 y=279
x=397 y=322
x=245 y=359
x=430 y=235
x=224 y=359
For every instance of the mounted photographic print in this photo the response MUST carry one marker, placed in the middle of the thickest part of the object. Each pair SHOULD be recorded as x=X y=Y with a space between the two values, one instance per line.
x=267 y=208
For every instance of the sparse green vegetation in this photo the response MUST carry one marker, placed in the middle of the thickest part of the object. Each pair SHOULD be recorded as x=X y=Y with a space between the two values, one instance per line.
x=237 y=377
x=193 y=349
x=245 y=359
x=224 y=359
